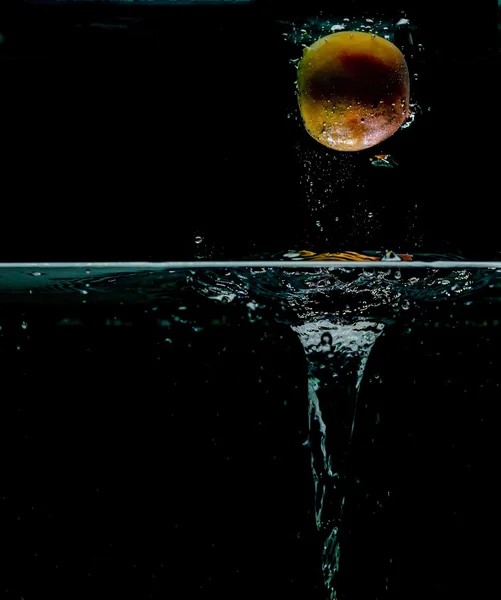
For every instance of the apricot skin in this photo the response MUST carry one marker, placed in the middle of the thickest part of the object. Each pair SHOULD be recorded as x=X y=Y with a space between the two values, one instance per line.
x=353 y=90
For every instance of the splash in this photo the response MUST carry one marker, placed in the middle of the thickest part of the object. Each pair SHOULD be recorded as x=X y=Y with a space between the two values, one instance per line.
x=337 y=354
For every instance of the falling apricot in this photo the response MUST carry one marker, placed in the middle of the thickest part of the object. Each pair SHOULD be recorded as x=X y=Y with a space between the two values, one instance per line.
x=353 y=90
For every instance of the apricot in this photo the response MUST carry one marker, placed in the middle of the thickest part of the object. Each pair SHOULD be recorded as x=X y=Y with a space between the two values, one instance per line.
x=353 y=90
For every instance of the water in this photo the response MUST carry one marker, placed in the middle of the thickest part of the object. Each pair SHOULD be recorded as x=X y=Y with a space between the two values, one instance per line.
x=382 y=374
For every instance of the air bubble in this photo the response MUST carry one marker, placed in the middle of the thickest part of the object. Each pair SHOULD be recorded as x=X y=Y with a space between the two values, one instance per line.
x=199 y=239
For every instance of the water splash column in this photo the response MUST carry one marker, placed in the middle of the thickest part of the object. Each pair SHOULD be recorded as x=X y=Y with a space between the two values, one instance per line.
x=337 y=354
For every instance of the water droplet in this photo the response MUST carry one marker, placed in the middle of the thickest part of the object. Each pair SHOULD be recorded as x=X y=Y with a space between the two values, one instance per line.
x=369 y=20
x=416 y=76
x=390 y=255
x=24 y=325
x=318 y=224
x=35 y=274
x=383 y=160
x=346 y=20
x=405 y=305
x=199 y=239
x=84 y=292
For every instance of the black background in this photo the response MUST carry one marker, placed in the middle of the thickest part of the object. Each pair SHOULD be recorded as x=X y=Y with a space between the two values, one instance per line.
x=135 y=467
x=126 y=143
x=156 y=461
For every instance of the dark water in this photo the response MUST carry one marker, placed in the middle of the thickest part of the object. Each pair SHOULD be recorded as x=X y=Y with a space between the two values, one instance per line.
x=319 y=430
